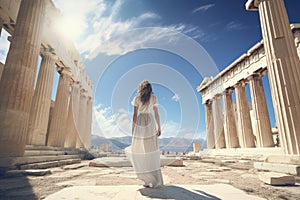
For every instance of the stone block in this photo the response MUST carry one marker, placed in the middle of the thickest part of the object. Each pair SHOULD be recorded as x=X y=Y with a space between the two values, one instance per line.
x=124 y=162
x=287 y=159
x=50 y=164
x=273 y=178
x=277 y=167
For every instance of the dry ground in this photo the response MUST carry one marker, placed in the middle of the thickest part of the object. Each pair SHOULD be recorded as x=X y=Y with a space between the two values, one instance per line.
x=194 y=172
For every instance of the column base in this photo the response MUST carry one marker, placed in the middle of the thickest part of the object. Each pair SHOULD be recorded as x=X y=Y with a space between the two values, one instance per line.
x=11 y=149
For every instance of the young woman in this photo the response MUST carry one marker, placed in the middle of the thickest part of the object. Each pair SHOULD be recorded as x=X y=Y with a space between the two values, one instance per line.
x=144 y=152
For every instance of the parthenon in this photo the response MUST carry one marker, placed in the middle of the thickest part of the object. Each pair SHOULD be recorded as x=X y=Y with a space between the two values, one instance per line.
x=27 y=114
x=278 y=54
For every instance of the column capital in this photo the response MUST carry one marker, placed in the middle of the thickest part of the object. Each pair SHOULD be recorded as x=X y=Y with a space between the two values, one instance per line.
x=217 y=96
x=241 y=83
x=65 y=72
x=91 y=99
x=208 y=102
x=83 y=93
x=49 y=52
x=228 y=90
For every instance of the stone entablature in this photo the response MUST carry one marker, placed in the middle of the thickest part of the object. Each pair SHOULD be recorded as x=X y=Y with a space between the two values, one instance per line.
x=241 y=69
x=64 y=49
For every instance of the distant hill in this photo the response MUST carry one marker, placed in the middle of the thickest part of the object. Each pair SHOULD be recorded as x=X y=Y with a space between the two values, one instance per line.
x=172 y=144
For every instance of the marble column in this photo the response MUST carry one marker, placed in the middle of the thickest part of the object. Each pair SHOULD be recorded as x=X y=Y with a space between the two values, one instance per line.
x=76 y=107
x=71 y=136
x=260 y=110
x=283 y=69
x=81 y=122
x=1 y=64
x=1 y=26
x=89 y=122
x=245 y=132
x=18 y=77
x=1 y=69
x=218 y=123
x=57 y=131
x=230 y=131
x=40 y=106
x=209 y=125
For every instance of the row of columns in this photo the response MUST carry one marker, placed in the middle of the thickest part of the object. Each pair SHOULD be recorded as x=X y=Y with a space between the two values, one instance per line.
x=24 y=112
x=234 y=129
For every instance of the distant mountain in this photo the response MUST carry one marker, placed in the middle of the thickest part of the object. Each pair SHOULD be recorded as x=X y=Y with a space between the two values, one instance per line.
x=172 y=144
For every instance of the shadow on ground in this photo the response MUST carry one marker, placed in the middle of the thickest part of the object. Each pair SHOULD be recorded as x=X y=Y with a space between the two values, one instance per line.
x=16 y=188
x=176 y=193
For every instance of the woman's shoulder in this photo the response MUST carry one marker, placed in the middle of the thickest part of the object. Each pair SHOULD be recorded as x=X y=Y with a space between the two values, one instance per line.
x=153 y=97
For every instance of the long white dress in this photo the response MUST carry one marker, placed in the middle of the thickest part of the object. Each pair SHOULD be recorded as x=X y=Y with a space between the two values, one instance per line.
x=144 y=152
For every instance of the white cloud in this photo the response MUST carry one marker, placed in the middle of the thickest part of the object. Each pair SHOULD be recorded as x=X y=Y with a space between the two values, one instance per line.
x=101 y=28
x=233 y=25
x=108 y=123
x=203 y=8
x=176 y=97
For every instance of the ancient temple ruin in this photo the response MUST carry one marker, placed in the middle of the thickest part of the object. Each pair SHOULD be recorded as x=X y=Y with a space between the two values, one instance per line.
x=278 y=54
x=27 y=115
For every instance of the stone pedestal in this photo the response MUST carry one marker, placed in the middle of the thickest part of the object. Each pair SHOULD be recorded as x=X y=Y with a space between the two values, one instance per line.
x=260 y=110
x=40 y=107
x=57 y=132
x=209 y=125
x=17 y=82
x=231 y=137
x=218 y=123
x=245 y=133
x=284 y=70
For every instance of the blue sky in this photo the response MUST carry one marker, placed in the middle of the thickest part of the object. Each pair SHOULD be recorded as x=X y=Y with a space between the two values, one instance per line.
x=172 y=43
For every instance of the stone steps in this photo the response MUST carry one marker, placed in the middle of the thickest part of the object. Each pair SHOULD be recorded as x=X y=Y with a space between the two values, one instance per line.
x=43 y=152
x=49 y=164
x=42 y=157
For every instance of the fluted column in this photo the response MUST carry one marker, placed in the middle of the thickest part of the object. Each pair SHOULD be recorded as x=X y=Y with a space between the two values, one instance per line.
x=1 y=64
x=72 y=133
x=284 y=70
x=40 y=106
x=57 y=132
x=1 y=26
x=89 y=122
x=245 y=132
x=230 y=131
x=218 y=123
x=70 y=136
x=261 y=116
x=209 y=125
x=17 y=82
x=81 y=123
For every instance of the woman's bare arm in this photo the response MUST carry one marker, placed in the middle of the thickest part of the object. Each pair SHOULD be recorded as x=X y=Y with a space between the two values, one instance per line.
x=157 y=118
x=134 y=117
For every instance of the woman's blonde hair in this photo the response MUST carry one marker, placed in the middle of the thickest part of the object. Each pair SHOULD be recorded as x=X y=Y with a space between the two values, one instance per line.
x=145 y=91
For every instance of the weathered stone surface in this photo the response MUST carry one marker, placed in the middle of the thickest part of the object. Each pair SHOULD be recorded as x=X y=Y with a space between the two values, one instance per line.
x=288 y=159
x=28 y=172
x=124 y=162
x=187 y=192
x=276 y=167
x=272 y=178
x=75 y=166
x=50 y=164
